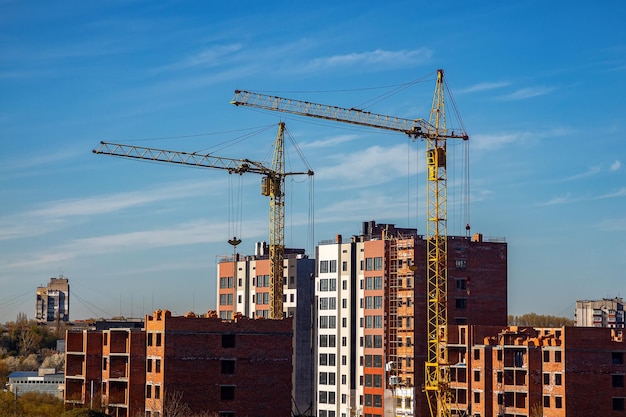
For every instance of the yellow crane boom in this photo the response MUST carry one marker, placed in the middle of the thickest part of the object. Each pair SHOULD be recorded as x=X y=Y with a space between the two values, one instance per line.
x=435 y=134
x=273 y=185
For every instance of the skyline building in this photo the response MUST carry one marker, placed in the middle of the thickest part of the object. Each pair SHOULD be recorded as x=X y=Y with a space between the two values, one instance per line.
x=53 y=301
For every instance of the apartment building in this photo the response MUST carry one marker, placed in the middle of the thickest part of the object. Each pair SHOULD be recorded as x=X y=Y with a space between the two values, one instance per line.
x=243 y=289
x=53 y=301
x=371 y=315
x=607 y=312
x=241 y=367
x=106 y=370
x=532 y=372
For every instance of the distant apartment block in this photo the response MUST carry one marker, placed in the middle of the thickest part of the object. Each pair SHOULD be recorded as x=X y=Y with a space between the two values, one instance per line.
x=607 y=312
x=53 y=301
x=243 y=289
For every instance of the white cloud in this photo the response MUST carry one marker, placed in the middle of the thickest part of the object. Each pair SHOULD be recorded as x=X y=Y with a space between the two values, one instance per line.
x=379 y=57
x=190 y=233
x=619 y=193
x=529 y=92
x=209 y=57
x=381 y=165
x=588 y=173
x=492 y=141
x=329 y=142
x=57 y=214
x=615 y=166
x=562 y=199
x=483 y=87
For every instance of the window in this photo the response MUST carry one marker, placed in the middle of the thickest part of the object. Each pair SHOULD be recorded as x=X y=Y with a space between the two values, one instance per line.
x=558 y=402
x=104 y=363
x=323 y=267
x=499 y=377
x=106 y=339
x=476 y=376
x=149 y=339
x=157 y=391
x=369 y=264
x=617 y=381
x=344 y=267
x=378 y=381
x=228 y=340
x=323 y=397
x=378 y=361
x=333 y=265
x=461 y=283
x=477 y=397
x=461 y=303
x=157 y=366
x=557 y=379
x=323 y=359
x=158 y=339
x=378 y=341
x=546 y=356
x=546 y=401
x=149 y=365
x=228 y=366
x=476 y=354
x=227 y=392
x=618 y=404
x=148 y=391
x=323 y=377
x=617 y=358
x=461 y=263
x=557 y=356
x=378 y=401
x=378 y=283
x=546 y=378
x=378 y=264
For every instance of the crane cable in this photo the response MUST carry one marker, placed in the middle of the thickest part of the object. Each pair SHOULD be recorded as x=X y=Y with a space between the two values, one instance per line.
x=235 y=209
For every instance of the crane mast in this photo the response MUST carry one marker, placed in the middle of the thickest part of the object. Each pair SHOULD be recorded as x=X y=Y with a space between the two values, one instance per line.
x=272 y=186
x=435 y=133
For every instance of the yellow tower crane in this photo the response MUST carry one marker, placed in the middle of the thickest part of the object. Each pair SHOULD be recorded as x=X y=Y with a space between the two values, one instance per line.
x=272 y=186
x=435 y=133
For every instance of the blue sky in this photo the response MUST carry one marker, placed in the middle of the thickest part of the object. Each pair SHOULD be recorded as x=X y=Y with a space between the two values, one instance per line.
x=540 y=87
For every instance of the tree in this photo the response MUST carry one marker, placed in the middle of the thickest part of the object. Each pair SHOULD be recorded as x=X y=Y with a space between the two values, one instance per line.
x=539 y=320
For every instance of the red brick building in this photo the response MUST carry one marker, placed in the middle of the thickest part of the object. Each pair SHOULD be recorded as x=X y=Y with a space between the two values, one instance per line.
x=523 y=371
x=240 y=367
x=235 y=368
x=106 y=370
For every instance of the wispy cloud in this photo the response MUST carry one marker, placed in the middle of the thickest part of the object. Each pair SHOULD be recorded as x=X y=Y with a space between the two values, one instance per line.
x=590 y=172
x=378 y=58
x=615 y=166
x=381 y=165
x=613 y=225
x=619 y=193
x=526 y=93
x=483 y=87
x=562 y=199
x=210 y=57
x=190 y=233
x=329 y=142
x=492 y=141
x=58 y=214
